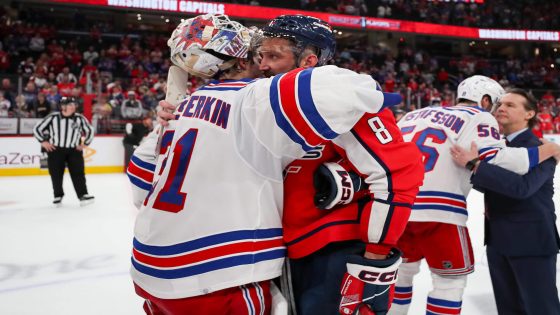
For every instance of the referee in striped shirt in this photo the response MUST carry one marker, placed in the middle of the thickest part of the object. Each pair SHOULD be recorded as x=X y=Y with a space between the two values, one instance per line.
x=64 y=146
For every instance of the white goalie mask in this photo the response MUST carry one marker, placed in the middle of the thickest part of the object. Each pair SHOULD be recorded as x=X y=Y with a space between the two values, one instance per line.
x=208 y=43
x=474 y=88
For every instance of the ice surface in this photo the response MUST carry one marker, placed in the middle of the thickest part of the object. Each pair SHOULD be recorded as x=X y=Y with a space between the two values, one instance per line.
x=75 y=260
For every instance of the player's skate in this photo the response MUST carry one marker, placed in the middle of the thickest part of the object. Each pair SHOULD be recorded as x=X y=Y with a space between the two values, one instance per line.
x=86 y=200
x=57 y=201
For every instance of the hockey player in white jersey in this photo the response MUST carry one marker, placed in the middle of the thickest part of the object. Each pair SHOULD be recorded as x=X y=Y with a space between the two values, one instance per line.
x=208 y=235
x=437 y=228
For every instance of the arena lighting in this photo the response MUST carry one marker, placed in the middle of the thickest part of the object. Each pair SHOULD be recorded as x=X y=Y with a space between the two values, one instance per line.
x=337 y=20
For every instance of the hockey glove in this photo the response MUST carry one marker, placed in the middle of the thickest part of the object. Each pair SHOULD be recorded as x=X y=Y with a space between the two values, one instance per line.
x=368 y=286
x=334 y=185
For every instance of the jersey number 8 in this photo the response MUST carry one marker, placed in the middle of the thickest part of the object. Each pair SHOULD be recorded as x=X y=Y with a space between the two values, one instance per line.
x=380 y=131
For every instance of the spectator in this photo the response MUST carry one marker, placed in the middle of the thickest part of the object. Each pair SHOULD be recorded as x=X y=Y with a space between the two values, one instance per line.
x=7 y=92
x=134 y=133
x=90 y=55
x=65 y=87
x=40 y=107
x=66 y=74
x=4 y=61
x=4 y=106
x=37 y=44
x=26 y=68
x=52 y=95
x=131 y=108
x=545 y=120
x=30 y=94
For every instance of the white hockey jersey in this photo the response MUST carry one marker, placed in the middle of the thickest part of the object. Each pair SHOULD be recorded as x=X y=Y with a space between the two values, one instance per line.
x=442 y=197
x=212 y=219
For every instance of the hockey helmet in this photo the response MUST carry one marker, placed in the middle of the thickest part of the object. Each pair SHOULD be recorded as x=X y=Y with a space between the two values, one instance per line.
x=208 y=43
x=304 y=31
x=474 y=88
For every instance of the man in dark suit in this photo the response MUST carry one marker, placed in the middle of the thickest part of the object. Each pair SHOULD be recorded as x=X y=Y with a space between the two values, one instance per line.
x=520 y=231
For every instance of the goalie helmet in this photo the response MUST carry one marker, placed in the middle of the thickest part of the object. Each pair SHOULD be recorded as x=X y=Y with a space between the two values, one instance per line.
x=304 y=31
x=208 y=43
x=474 y=88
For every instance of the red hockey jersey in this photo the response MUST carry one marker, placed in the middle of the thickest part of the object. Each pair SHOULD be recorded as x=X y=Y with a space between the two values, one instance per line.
x=392 y=168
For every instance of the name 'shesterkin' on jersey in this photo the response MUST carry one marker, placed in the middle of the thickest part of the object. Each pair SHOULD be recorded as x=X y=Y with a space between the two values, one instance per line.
x=438 y=116
x=210 y=109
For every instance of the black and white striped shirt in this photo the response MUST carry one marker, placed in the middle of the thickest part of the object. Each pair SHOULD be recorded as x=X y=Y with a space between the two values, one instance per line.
x=64 y=132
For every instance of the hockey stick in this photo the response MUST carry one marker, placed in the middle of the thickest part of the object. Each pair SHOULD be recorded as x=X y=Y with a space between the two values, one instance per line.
x=177 y=80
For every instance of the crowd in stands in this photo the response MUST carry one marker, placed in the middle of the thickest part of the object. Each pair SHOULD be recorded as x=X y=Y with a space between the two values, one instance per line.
x=128 y=74
x=519 y=14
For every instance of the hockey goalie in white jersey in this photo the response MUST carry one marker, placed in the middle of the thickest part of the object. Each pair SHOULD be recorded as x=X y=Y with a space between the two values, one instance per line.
x=208 y=236
x=437 y=226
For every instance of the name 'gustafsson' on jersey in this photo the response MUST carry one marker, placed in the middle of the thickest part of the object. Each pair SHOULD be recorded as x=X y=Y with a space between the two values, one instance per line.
x=438 y=117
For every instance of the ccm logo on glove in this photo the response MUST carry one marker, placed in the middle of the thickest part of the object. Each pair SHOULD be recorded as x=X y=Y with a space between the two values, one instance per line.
x=385 y=277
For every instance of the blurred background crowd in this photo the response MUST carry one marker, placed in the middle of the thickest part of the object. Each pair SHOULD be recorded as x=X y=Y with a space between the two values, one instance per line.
x=49 y=53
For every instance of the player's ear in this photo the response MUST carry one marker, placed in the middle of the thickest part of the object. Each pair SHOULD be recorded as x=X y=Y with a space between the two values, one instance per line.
x=308 y=60
x=486 y=103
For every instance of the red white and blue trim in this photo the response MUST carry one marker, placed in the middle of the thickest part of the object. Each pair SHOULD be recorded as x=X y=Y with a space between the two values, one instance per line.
x=210 y=253
x=295 y=111
x=253 y=295
x=487 y=154
x=403 y=295
x=140 y=173
x=226 y=85
x=471 y=110
x=439 y=200
x=443 y=307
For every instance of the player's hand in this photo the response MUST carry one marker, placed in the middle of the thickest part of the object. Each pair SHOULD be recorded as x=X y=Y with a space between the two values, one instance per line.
x=48 y=146
x=165 y=114
x=335 y=185
x=81 y=147
x=369 y=284
x=461 y=156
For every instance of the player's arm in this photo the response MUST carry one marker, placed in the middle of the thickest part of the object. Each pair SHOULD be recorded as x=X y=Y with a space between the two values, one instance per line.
x=502 y=181
x=296 y=111
x=142 y=167
x=492 y=149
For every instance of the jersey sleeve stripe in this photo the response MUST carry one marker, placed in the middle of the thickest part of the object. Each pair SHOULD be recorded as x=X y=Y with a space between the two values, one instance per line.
x=281 y=120
x=145 y=165
x=134 y=170
x=533 y=156
x=308 y=106
x=488 y=155
x=138 y=182
x=289 y=100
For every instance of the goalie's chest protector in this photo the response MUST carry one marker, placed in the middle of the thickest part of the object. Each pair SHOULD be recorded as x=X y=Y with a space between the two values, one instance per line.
x=210 y=222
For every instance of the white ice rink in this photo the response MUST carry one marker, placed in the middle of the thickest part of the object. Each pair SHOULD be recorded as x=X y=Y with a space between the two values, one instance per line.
x=74 y=260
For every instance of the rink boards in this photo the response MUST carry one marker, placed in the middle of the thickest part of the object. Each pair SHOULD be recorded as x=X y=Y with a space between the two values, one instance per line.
x=20 y=155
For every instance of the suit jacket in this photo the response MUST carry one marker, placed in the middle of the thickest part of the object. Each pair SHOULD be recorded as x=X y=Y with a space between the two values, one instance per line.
x=520 y=218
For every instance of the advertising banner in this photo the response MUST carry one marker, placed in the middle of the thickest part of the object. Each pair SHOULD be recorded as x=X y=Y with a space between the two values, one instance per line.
x=21 y=156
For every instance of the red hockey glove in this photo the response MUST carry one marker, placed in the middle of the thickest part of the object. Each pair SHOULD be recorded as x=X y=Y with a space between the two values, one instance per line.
x=334 y=185
x=369 y=285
